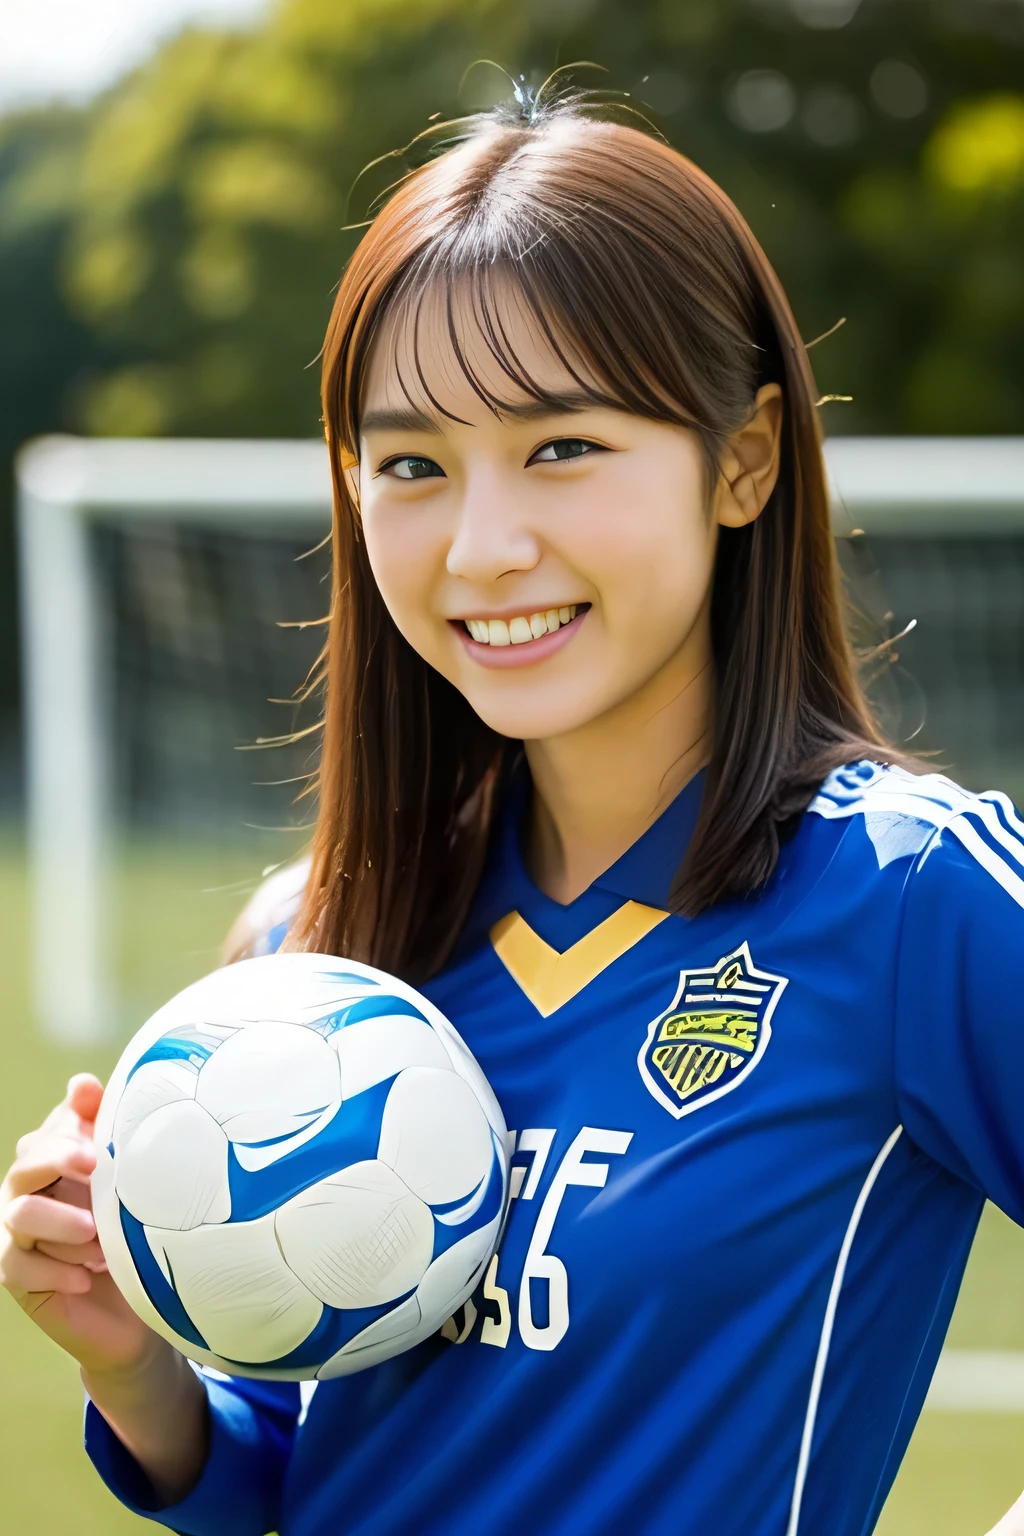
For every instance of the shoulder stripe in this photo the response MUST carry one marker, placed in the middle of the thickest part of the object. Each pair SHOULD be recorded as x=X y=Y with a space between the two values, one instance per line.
x=991 y=861
x=803 y=1461
x=987 y=826
x=1004 y=804
x=988 y=813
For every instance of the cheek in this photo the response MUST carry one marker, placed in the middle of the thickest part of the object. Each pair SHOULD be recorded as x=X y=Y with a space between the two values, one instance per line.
x=405 y=555
x=651 y=558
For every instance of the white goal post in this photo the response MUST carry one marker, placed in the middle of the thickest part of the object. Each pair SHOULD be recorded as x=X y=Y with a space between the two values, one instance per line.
x=66 y=485
x=886 y=486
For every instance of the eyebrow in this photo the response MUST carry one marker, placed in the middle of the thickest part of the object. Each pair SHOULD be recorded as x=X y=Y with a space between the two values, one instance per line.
x=408 y=419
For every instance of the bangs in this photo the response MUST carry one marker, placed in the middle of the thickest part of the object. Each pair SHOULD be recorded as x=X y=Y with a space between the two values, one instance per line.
x=497 y=303
x=586 y=348
x=548 y=270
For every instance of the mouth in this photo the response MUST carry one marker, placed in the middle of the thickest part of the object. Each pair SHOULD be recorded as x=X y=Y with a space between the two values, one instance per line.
x=521 y=640
x=522 y=630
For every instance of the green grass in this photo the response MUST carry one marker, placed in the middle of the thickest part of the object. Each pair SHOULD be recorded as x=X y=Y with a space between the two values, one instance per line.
x=175 y=904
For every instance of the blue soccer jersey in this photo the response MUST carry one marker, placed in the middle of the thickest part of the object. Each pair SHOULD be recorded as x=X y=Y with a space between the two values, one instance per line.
x=751 y=1150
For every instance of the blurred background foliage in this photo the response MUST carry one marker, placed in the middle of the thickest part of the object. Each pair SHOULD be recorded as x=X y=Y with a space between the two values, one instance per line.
x=168 y=253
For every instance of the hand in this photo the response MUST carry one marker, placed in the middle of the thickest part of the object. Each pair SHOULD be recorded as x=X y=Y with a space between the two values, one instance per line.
x=53 y=1266
x=50 y=1257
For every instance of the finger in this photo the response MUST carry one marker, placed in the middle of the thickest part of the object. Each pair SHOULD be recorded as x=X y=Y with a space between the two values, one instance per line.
x=36 y=1218
x=47 y=1156
x=23 y=1273
x=71 y=1192
x=78 y=1109
x=59 y=1122
x=62 y=1120
x=83 y=1096
x=88 y=1254
x=43 y=1158
x=83 y=1084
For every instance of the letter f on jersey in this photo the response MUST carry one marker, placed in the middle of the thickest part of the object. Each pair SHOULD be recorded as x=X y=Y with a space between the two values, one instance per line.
x=712 y=1035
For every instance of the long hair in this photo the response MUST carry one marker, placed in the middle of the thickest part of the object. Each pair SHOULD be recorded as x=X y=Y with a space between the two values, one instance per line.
x=653 y=292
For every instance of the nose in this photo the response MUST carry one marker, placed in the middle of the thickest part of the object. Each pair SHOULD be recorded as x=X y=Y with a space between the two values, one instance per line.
x=492 y=536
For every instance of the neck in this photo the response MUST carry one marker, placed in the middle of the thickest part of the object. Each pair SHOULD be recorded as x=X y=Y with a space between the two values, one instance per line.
x=598 y=788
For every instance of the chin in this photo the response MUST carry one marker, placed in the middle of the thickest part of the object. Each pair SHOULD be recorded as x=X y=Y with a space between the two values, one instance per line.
x=532 y=721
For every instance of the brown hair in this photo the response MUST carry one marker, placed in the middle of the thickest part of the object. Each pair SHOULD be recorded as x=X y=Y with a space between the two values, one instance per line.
x=654 y=293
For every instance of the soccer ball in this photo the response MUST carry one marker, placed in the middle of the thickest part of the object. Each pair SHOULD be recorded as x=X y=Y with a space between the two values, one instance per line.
x=301 y=1169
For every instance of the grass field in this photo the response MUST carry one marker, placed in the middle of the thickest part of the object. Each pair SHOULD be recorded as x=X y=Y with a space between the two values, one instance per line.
x=175 y=903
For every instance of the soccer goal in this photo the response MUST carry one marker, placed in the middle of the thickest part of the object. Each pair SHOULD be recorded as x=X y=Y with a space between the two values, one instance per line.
x=155 y=576
x=161 y=583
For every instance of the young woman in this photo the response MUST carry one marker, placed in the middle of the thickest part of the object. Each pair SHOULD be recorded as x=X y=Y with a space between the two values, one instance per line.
x=597 y=775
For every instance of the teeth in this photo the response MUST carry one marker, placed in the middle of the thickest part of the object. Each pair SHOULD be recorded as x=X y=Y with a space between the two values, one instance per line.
x=519 y=630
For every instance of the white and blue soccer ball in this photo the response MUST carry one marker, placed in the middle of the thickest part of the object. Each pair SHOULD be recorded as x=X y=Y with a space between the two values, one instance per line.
x=301 y=1169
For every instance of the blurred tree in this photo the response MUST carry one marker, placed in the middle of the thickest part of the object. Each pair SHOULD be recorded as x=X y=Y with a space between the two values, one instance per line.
x=876 y=148
x=168 y=257
x=946 y=247
x=43 y=345
x=212 y=193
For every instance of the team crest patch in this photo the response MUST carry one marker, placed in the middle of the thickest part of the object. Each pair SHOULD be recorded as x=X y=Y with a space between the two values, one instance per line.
x=713 y=1033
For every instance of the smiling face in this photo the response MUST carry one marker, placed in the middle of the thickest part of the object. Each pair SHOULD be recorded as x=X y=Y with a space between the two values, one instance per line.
x=552 y=561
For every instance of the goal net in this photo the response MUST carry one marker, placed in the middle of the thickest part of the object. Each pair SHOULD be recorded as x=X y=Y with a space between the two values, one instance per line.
x=161 y=585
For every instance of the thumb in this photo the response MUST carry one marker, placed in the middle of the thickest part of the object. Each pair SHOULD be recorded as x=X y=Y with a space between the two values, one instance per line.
x=84 y=1094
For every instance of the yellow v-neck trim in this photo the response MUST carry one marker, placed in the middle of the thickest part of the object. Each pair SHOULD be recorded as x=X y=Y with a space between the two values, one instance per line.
x=549 y=979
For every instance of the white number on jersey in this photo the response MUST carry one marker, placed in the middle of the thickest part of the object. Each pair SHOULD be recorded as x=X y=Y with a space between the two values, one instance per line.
x=541 y=1266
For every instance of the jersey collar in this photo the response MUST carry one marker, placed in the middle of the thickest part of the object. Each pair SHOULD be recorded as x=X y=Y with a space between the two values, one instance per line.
x=644 y=873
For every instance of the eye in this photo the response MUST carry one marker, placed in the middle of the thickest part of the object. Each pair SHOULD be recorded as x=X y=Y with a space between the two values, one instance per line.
x=563 y=448
x=408 y=467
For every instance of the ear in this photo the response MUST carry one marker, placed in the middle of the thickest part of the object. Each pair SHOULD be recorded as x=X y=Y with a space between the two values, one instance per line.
x=749 y=463
x=350 y=470
x=348 y=462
